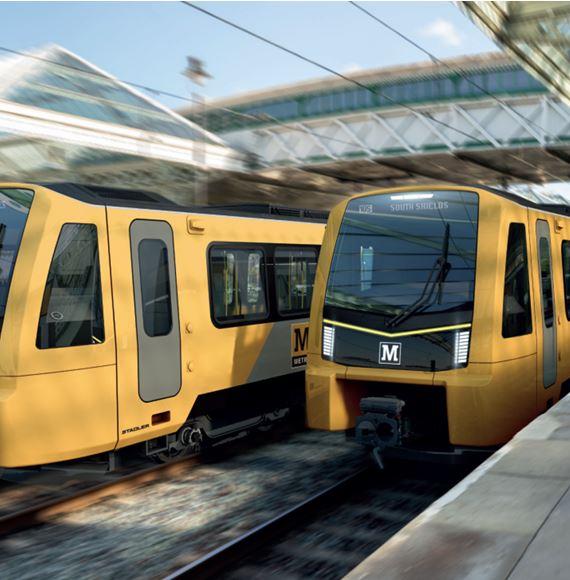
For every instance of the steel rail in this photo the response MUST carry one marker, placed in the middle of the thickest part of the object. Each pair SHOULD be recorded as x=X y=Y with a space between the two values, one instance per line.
x=45 y=511
x=220 y=559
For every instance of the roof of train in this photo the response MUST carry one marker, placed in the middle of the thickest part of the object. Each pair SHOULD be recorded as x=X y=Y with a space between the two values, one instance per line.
x=551 y=207
x=101 y=195
x=557 y=208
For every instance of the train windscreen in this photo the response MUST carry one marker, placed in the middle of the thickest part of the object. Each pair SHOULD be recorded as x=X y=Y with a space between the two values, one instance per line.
x=14 y=207
x=405 y=262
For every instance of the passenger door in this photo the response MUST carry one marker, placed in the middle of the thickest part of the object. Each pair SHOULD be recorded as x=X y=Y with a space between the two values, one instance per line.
x=147 y=325
x=156 y=309
x=547 y=311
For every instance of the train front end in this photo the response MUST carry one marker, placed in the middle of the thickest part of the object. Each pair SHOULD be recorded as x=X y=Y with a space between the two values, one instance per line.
x=392 y=350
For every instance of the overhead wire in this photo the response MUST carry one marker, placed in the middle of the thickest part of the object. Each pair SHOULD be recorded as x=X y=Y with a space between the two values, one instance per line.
x=353 y=81
x=452 y=68
x=461 y=72
x=330 y=70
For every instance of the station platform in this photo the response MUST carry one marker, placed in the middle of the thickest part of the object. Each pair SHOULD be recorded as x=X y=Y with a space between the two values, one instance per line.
x=509 y=518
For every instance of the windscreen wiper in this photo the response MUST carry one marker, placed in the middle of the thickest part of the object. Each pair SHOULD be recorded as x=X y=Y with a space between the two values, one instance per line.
x=436 y=278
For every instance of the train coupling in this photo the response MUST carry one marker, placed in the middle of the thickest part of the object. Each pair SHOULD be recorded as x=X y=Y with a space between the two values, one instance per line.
x=380 y=425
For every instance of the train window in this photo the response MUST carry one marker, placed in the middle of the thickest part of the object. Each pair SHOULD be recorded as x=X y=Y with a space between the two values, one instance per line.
x=546 y=282
x=155 y=287
x=566 y=273
x=516 y=302
x=238 y=285
x=294 y=278
x=72 y=308
x=14 y=207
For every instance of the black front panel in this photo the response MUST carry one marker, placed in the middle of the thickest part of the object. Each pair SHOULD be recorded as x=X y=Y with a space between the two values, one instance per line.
x=425 y=352
x=401 y=285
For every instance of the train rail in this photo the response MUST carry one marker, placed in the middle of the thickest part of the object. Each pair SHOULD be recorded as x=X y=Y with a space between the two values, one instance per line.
x=44 y=495
x=306 y=504
x=45 y=511
x=327 y=534
x=162 y=523
x=220 y=559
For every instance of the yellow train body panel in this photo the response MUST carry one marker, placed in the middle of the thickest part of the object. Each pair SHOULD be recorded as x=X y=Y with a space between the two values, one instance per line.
x=500 y=388
x=63 y=403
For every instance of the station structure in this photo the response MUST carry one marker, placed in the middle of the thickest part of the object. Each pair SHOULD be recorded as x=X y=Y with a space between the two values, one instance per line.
x=479 y=119
x=536 y=34
x=63 y=116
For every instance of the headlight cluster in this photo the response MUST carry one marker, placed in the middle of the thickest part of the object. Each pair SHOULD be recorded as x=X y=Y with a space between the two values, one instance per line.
x=328 y=341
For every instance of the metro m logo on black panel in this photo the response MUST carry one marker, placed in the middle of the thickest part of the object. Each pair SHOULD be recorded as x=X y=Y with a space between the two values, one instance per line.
x=390 y=353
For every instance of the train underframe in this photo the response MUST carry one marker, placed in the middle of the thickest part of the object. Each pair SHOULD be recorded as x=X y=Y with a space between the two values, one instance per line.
x=220 y=416
x=409 y=421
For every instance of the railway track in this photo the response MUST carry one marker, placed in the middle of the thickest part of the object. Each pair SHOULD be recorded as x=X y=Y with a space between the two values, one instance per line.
x=33 y=498
x=300 y=505
x=328 y=534
x=45 y=511
x=161 y=519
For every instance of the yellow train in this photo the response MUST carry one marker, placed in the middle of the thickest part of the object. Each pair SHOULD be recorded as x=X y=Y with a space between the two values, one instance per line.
x=126 y=319
x=440 y=320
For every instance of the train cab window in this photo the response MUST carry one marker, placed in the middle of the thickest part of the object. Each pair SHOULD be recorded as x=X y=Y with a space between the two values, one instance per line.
x=294 y=278
x=516 y=302
x=14 y=208
x=155 y=287
x=237 y=278
x=566 y=273
x=546 y=282
x=72 y=309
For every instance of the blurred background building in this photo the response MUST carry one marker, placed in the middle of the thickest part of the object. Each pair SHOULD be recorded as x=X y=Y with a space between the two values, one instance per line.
x=499 y=118
x=63 y=118
x=536 y=34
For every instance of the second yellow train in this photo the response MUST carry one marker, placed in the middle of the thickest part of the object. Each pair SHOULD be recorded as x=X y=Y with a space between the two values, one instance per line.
x=440 y=322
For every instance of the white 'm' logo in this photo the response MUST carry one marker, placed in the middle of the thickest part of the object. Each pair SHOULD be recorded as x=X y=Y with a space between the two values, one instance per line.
x=389 y=353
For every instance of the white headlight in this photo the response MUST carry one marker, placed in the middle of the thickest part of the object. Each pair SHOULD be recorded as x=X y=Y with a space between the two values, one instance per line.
x=461 y=347
x=328 y=341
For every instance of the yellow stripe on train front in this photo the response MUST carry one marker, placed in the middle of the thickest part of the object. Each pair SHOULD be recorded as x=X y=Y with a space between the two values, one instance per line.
x=397 y=334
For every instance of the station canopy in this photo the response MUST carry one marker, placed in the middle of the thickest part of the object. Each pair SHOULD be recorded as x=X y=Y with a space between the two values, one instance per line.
x=62 y=119
x=537 y=34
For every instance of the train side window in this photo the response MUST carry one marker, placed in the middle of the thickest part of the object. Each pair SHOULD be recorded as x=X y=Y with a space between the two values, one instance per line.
x=294 y=278
x=517 y=319
x=72 y=307
x=545 y=276
x=237 y=278
x=155 y=287
x=566 y=273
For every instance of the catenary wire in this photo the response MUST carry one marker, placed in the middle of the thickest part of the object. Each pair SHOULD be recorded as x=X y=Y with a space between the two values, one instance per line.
x=440 y=62
x=330 y=70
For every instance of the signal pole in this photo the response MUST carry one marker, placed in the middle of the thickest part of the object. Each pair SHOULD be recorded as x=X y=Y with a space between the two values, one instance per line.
x=196 y=73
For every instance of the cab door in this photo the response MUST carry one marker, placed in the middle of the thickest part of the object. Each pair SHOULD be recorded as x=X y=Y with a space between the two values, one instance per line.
x=547 y=314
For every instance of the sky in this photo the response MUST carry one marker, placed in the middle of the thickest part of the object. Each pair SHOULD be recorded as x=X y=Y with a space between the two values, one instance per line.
x=147 y=42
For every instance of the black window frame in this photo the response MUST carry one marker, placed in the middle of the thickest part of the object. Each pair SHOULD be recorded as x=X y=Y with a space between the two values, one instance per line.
x=264 y=276
x=141 y=265
x=527 y=268
x=104 y=336
x=296 y=313
x=268 y=267
x=546 y=320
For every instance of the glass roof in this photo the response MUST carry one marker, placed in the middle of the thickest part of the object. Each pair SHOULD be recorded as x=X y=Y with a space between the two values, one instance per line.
x=536 y=33
x=60 y=81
